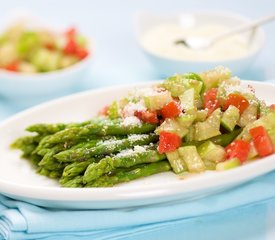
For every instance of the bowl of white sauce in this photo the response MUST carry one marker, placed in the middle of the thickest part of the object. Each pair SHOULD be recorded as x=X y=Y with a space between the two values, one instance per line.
x=157 y=35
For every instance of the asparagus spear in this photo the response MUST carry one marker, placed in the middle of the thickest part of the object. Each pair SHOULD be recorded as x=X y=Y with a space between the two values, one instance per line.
x=99 y=127
x=48 y=161
x=77 y=168
x=123 y=159
x=28 y=145
x=50 y=173
x=105 y=147
x=73 y=183
x=121 y=176
x=51 y=163
x=44 y=128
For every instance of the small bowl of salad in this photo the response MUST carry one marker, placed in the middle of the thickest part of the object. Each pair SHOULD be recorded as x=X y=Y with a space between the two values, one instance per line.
x=37 y=62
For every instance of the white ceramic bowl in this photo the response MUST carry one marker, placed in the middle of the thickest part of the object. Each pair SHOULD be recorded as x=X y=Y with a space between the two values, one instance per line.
x=19 y=86
x=28 y=89
x=169 y=66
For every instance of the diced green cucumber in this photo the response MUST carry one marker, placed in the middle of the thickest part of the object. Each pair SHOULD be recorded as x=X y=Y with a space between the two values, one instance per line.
x=197 y=85
x=3 y=39
x=192 y=159
x=267 y=121
x=82 y=41
x=215 y=118
x=179 y=83
x=209 y=151
x=212 y=78
x=190 y=136
x=252 y=151
x=172 y=125
x=203 y=131
x=187 y=101
x=177 y=163
x=186 y=120
x=46 y=60
x=229 y=164
x=175 y=84
x=28 y=42
x=67 y=61
x=113 y=110
x=209 y=128
x=8 y=54
x=193 y=76
x=222 y=140
x=271 y=133
x=249 y=115
x=210 y=165
x=230 y=118
x=263 y=108
x=158 y=100
x=201 y=115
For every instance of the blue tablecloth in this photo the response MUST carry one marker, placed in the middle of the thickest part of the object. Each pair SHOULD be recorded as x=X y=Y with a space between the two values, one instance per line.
x=241 y=210
x=246 y=212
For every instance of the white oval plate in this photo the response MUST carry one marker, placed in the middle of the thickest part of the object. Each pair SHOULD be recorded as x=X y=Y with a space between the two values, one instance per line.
x=20 y=181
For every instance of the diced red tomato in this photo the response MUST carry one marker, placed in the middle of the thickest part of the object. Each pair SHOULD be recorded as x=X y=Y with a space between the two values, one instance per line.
x=239 y=149
x=210 y=100
x=70 y=33
x=171 y=110
x=70 y=47
x=147 y=116
x=262 y=141
x=81 y=53
x=236 y=100
x=168 y=142
x=12 y=67
x=104 y=111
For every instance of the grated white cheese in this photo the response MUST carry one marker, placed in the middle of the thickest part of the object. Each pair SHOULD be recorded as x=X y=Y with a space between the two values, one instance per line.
x=131 y=120
x=148 y=91
x=236 y=87
x=130 y=152
x=135 y=137
x=139 y=149
x=130 y=109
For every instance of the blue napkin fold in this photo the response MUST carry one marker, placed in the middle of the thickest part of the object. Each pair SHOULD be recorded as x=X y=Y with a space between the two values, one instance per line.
x=20 y=220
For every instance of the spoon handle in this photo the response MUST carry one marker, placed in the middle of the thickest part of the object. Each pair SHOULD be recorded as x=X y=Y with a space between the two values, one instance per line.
x=245 y=27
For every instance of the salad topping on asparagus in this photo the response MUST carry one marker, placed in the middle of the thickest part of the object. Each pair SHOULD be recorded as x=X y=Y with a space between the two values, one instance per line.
x=189 y=123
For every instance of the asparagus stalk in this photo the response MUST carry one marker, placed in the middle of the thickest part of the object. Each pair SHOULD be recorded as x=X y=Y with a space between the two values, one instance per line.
x=55 y=174
x=99 y=127
x=126 y=176
x=121 y=160
x=105 y=148
x=73 y=183
x=77 y=168
x=46 y=129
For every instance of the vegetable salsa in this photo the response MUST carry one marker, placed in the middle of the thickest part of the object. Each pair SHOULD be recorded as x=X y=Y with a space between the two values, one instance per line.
x=188 y=123
x=36 y=50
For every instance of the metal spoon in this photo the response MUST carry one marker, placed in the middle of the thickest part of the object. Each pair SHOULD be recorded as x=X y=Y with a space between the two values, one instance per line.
x=202 y=43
